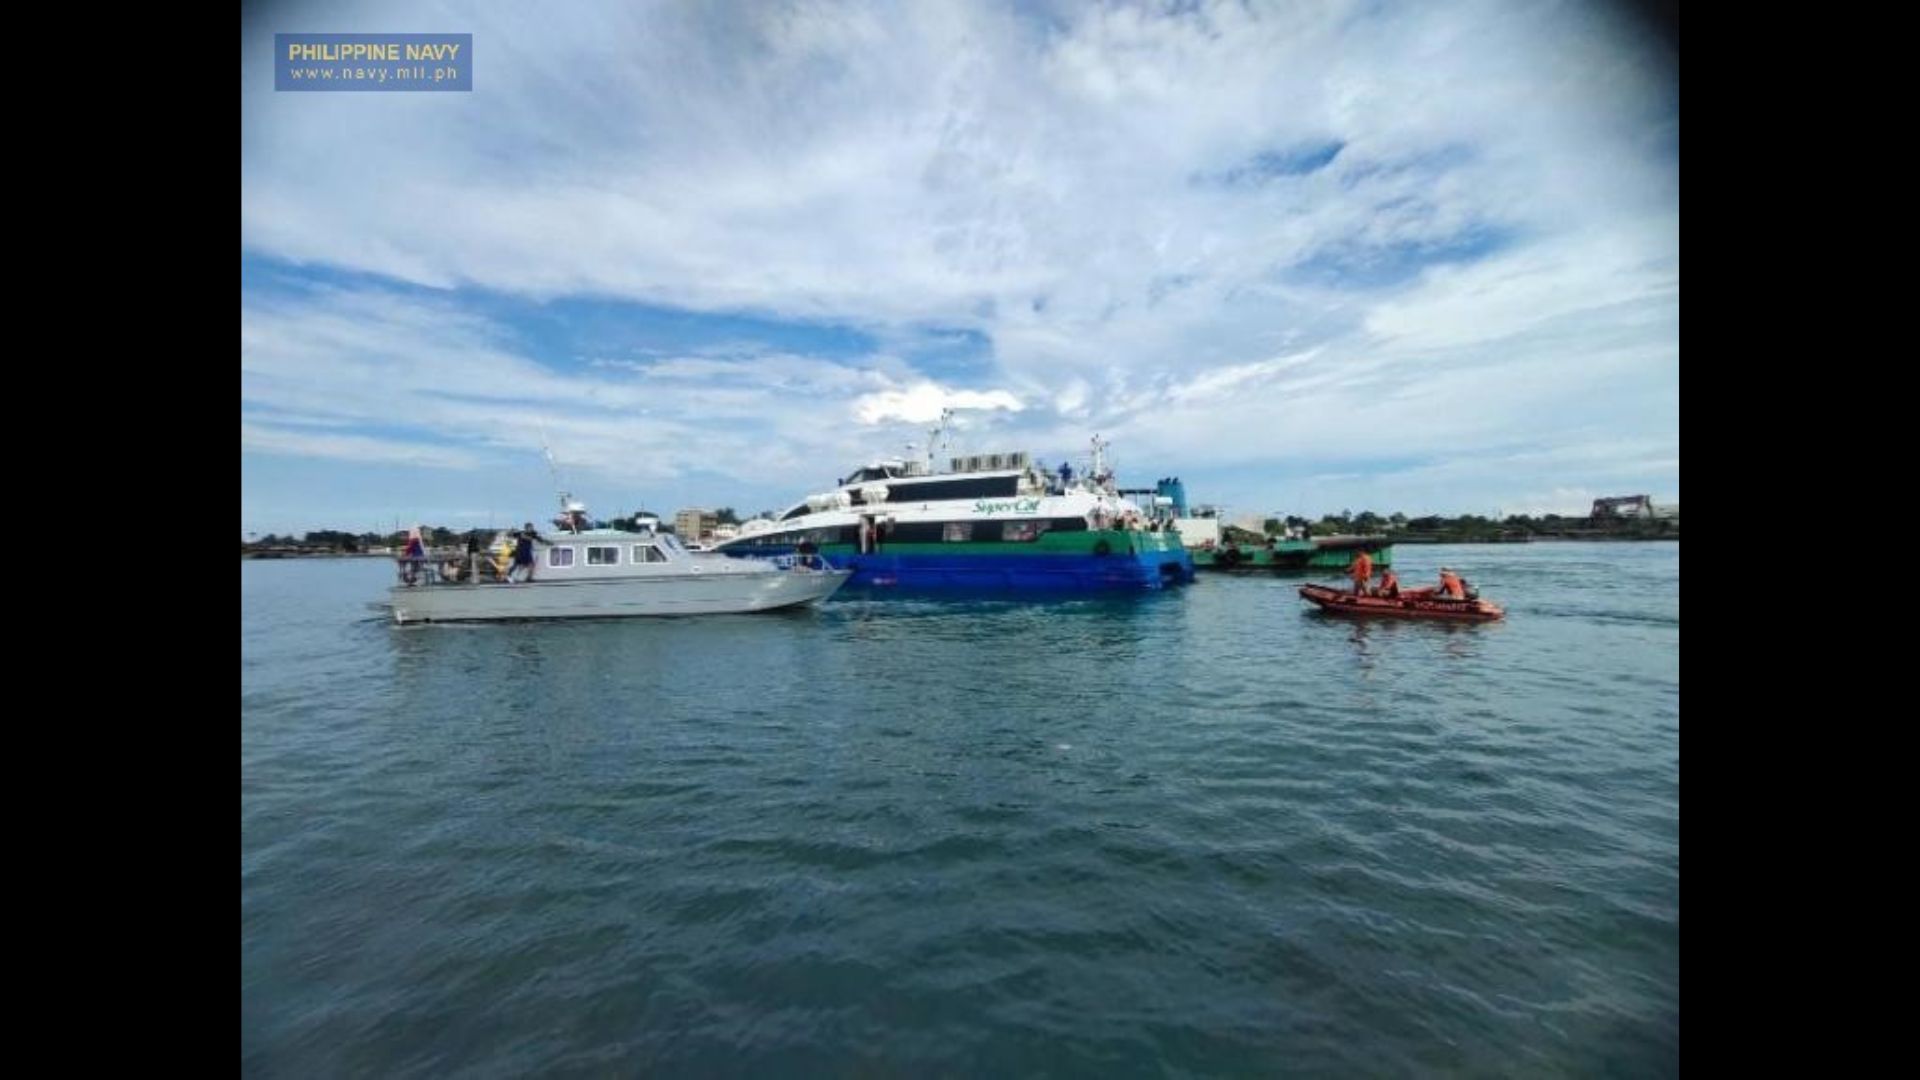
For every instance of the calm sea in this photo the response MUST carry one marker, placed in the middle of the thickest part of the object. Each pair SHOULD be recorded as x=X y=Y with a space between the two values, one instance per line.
x=1208 y=832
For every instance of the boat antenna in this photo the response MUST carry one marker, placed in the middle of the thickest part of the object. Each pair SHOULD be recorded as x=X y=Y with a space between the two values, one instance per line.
x=1098 y=469
x=934 y=436
x=553 y=469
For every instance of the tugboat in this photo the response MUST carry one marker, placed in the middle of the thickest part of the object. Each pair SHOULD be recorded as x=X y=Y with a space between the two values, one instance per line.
x=1215 y=549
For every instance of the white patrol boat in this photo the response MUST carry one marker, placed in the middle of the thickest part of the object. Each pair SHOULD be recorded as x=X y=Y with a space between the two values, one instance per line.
x=583 y=571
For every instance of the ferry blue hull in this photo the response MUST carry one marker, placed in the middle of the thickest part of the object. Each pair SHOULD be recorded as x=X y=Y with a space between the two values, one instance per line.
x=958 y=572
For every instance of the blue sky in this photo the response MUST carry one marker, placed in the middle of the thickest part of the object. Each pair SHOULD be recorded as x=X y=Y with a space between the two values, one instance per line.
x=1308 y=257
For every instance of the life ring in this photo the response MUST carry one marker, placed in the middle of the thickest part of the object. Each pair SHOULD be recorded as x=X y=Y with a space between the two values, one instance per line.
x=1101 y=547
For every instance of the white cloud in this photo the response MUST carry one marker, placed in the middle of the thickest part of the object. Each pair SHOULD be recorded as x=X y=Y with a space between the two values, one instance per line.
x=924 y=402
x=446 y=390
x=1102 y=192
x=270 y=440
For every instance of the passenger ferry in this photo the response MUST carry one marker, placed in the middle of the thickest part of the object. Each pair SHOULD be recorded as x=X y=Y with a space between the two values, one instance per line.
x=990 y=522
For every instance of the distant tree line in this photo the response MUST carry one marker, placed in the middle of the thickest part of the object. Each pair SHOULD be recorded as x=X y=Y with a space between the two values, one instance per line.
x=1473 y=527
x=1466 y=528
x=333 y=541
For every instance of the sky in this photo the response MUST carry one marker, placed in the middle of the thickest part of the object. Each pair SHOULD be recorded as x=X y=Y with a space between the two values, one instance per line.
x=1308 y=257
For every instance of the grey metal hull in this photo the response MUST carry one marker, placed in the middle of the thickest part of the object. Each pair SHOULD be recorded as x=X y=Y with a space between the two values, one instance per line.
x=652 y=595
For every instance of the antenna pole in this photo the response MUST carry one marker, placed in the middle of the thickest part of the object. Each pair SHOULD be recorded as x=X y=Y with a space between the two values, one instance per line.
x=553 y=468
x=933 y=437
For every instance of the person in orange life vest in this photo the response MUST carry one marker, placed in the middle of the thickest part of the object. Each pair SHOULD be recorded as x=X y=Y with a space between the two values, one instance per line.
x=1451 y=585
x=1389 y=583
x=1361 y=571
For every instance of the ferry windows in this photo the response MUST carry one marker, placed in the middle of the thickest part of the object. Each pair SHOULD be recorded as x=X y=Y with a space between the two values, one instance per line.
x=910 y=532
x=984 y=487
x=603 y=556
x=957 y=532
x=559 y=556
x=646 y=553
x=1022 y=530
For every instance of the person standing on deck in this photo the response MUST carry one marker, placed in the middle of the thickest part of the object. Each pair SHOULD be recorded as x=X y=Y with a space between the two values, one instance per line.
x=523 y=551
x=1361 y=571
x=412 y=556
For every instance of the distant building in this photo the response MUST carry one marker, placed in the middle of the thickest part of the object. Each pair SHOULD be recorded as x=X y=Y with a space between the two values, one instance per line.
x=1623 y=506
x=1633 y=507
x=695 y=525
x=1198 y=531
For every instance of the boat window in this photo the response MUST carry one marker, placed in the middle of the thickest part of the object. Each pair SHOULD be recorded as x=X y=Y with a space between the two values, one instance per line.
x=1022 y=530
x=559 y=556
x=956 y=531
x=603 y=556
x=972 y=487
x=671 y=543
x=645 y=553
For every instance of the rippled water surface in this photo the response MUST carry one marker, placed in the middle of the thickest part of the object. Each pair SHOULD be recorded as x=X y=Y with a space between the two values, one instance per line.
x=1208 y=832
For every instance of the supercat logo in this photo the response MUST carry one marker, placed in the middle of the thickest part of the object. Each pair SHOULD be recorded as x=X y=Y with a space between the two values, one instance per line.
x=1007 y=506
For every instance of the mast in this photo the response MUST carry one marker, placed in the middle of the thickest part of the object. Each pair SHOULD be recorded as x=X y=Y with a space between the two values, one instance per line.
x=1099 y=473
x=934 y=436
x=553 y=469
x=573 y=515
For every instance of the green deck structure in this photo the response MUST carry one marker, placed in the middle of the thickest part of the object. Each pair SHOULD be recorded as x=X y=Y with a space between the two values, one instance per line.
x=1332 y=553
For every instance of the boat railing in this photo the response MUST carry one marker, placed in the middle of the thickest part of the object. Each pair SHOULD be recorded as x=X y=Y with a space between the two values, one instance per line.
x=794 y=561
x=458 y=570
